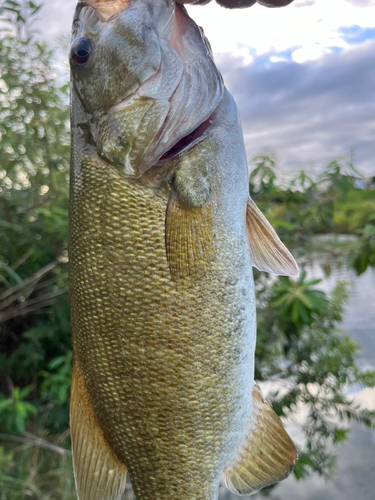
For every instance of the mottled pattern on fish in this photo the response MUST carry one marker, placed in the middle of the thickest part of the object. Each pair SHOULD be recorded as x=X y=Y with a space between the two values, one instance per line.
x=161 y=286
x=168 y=365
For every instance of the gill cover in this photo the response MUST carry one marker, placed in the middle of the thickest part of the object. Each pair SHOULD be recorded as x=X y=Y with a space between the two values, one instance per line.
x=151 y=81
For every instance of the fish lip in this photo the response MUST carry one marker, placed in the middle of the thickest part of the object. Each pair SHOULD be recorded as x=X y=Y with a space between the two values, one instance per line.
x=199 y=135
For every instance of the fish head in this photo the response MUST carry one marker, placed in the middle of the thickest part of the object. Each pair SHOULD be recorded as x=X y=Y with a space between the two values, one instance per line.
x=144 y=76
x=114 y=48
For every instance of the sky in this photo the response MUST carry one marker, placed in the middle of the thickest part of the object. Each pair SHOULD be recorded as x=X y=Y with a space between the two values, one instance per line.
x=303 y=76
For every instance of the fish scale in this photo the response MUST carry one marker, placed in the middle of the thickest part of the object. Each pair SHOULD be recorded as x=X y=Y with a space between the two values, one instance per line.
x=154 y=353
x=161 y=286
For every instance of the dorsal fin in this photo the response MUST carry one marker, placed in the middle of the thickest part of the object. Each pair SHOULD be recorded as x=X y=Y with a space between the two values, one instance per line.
x=99 y=475
x=267 y=454
x=267 y=251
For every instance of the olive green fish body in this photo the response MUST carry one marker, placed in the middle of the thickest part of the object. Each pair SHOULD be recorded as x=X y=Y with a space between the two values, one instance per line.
x=168 y=365
x=162 y=240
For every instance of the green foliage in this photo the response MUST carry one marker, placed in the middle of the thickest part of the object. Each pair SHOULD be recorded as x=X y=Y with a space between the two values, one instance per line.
x=350 y=215
x=262 y=178
x=36 y=469
x=316 y=362
x=303 y=207
x=361 y=254
x=330 y=204
x=15 y=412
x=34 y=317
x=57 y=380
x=34 y=144
x=297 y=302
x=5 y=460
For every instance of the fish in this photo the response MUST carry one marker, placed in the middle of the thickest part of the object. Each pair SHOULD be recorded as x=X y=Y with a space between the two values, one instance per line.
x=162 y=240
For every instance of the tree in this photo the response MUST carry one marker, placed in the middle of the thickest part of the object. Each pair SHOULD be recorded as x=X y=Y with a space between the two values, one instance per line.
x=34 y=322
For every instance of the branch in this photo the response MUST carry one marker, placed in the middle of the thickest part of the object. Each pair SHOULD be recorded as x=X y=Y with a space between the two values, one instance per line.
x=32 y=440
x=37 y=304
x=28 y=281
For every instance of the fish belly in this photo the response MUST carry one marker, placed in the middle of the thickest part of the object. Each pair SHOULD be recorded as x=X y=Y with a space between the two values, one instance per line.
x=167 y=365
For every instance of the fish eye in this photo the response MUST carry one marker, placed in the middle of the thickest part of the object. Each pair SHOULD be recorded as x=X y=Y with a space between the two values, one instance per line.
x=81 y=51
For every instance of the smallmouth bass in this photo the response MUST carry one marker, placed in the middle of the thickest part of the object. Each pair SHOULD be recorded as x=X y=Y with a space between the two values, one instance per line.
x=162 y=240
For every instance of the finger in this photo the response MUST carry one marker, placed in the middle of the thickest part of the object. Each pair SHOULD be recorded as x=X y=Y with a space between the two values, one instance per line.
x=236 y=4
x=195 y=2
x=274 y=3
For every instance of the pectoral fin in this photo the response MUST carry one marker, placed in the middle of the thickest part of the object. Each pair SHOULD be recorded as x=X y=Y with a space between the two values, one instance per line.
x=267 y=251
x=267 y=455
x=189 y=237
x=189 y=226
x=99 y=475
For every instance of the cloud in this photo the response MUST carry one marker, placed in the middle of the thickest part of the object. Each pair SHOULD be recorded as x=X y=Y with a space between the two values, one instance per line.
x=308 y=113
x=311 y=25
x=55 y=19
x=362 y=3
x=365 y=398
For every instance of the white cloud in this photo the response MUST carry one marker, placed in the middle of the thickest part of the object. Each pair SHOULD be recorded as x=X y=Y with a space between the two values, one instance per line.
x=310 y=52
x=308 y=113
x=310 y=27
x=306 y=25
x=365 y=398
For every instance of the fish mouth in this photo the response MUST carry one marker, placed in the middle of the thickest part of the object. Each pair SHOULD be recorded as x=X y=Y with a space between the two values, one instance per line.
x=186 y=143
x=169 y=112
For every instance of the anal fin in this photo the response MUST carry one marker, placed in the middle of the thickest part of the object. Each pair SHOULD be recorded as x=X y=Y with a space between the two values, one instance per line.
x=99 y=474
x=267 y=455
x=267 y=251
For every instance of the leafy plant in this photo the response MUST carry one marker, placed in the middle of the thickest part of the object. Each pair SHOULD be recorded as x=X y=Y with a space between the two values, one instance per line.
x=361 y=253
x=262 y=178
x=314 y=365
x=15 y=412
x=297 y=301
x=57 y=380
x=34 y=317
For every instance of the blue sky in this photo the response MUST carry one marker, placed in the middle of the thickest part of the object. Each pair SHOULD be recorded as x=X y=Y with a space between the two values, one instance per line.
x=356 y=35
x=303 y=76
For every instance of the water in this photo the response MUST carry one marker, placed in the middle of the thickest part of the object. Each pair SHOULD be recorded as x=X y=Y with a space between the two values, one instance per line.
x=355 y=477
